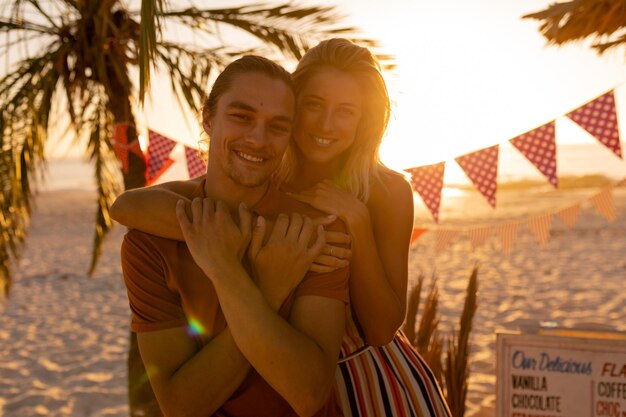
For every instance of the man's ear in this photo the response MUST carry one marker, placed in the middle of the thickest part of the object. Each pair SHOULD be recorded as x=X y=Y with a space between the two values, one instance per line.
x=206 y=122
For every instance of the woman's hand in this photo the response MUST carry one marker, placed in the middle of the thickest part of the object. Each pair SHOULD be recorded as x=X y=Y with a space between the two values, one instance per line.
x=333 y=256
x=329 y=198
x=281 y=260
x=212 y=235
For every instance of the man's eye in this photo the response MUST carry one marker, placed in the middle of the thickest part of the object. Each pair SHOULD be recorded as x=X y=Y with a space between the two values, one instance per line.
x=281 y=128
x=240 y=117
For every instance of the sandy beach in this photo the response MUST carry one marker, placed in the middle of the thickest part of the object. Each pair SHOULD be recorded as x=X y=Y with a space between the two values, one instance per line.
x=64 y=336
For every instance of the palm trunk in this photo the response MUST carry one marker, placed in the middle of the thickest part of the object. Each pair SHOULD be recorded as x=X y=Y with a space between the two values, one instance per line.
x=141 y=398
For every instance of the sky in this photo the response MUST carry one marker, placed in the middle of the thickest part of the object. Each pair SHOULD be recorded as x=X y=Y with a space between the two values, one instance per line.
x=470 y=74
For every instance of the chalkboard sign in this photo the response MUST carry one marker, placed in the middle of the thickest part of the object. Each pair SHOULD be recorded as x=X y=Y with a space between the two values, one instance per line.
x=561 y=373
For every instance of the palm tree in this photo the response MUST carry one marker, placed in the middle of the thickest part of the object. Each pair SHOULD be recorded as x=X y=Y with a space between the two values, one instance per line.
x=81 y=62
x=602 y=20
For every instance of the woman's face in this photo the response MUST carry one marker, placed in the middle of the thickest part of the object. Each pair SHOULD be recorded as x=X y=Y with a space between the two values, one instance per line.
x=328 y=115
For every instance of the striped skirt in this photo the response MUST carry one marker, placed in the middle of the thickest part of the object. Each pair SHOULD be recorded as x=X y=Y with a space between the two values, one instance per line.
x=392 y=380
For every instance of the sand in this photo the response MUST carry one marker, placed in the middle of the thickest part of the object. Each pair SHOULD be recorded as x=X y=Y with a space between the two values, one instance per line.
x=64 y=336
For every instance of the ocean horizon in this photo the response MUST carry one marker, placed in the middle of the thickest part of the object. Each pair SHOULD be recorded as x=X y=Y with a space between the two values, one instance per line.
x=573 y=160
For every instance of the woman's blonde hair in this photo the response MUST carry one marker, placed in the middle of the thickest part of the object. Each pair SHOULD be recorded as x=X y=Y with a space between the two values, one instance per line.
x=362 y=161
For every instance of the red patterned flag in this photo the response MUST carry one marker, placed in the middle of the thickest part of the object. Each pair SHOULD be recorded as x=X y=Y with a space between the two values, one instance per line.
x=599 y=118
x=195 y=164
x=121 y=145
x=159 y=150
x=479 y=235
x=508 y=234
x=416 y=233
x=538 y=146
x=604 y=204
x=481 y=167
x=444 y=238
x=540 y=227
x=428 y=182
x=569 y=215
x=120 y=141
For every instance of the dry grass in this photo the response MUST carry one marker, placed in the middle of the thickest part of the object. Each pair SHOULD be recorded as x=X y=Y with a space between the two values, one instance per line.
x=452 y=372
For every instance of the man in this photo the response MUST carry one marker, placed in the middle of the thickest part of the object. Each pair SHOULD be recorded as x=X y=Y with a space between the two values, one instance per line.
x=220 y=332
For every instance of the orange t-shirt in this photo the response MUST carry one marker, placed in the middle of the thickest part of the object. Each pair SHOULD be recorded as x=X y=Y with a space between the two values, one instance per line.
x=166 y=289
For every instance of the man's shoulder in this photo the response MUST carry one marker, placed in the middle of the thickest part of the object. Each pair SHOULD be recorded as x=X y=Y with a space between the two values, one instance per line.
x=136 y=239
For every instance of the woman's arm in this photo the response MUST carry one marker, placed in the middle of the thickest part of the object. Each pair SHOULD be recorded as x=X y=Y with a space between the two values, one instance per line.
x=380 y=232
x=152 y=209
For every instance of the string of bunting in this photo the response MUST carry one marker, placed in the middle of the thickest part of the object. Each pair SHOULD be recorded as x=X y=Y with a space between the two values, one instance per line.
x=159 y=150
x=598 y=117
x=539 y=225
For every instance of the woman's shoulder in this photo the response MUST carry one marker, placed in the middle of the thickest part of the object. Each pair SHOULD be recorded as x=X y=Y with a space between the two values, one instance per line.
x=389 y=181
x=390 y=187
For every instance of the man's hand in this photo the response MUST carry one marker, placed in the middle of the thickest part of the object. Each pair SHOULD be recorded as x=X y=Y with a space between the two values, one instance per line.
x=212 y=235
x=281 y=261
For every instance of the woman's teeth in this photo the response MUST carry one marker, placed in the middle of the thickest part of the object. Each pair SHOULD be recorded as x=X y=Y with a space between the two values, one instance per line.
x=322 y=141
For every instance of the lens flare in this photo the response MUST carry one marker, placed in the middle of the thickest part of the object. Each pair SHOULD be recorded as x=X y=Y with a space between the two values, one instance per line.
x=194 y=327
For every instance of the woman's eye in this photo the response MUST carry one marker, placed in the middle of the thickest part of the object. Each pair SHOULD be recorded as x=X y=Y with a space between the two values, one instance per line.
x=313 y=105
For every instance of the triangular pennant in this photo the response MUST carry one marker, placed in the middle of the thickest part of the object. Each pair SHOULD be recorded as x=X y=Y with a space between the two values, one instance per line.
x=540 y=227
x=599 y=118
x=444 y=238
x=164 y=167
x=159 y=149
x=538 y=146
x=569 y=215
x=481 y=167
x=416 y=233
x=135 y=147
x=428 y=182
x=507 y=233
x=120 y=140
x=479 y=235
x=604 y=204
x=195 y=165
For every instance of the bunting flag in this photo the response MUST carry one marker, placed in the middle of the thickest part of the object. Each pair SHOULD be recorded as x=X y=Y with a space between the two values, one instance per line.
x=569 y=215
x=507 y=233
x=599 y=118
x=428 y=182
x=540 y=227
x=539 y=147
x=478 y=235
x=159 y=150
x=604 y=204
x=481 y=167
x=121 y=145
x=416 y=233
x=195 y=165
x=444 y=238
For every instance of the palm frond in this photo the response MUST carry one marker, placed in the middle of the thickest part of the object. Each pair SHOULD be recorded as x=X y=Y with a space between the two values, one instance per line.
x=102 y=157
x=287 y=27
x=602 y=20
x=150 y=27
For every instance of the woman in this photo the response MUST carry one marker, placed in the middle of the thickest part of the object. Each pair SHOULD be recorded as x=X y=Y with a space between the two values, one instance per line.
x=333 y=165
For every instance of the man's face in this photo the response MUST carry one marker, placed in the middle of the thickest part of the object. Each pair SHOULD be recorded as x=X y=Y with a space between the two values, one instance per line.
x=250 y=129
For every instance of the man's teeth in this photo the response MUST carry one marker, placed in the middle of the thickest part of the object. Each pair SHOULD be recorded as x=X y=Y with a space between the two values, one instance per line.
x=249 y=157
x=322 y=141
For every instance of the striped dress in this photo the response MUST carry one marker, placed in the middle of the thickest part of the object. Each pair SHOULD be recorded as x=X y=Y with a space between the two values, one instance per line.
x=392 y=380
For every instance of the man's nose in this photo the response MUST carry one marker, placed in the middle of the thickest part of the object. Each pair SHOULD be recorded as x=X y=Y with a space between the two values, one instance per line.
x=257 y=134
